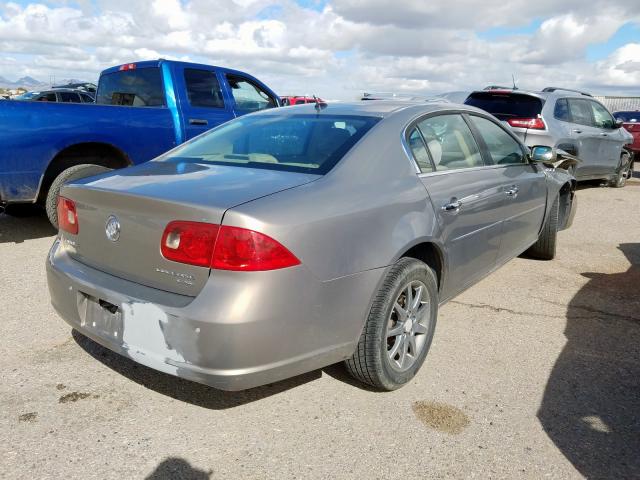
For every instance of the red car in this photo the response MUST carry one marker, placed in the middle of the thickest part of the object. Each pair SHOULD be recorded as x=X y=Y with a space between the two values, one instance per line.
x=299 y=100
x=631 y=123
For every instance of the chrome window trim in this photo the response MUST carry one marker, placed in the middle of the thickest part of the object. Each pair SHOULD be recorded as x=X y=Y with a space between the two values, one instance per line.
x=471 y=169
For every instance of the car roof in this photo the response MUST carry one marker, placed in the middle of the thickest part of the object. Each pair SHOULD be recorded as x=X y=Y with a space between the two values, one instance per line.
x=377 y=108
x=556 y=92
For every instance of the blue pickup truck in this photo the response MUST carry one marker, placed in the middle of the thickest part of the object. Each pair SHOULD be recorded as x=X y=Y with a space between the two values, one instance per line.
x=142 y=110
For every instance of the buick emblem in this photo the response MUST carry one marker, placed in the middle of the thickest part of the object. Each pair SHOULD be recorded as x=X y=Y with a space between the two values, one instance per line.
x=112 y=228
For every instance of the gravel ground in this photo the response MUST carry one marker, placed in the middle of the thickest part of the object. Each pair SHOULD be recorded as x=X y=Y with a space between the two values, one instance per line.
x=533 y=373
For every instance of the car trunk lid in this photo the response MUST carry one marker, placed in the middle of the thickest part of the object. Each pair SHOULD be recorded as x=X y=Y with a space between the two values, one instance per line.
x=143 y=200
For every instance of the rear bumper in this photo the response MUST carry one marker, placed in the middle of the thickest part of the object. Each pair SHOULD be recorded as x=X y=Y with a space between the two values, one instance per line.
x=241 y=331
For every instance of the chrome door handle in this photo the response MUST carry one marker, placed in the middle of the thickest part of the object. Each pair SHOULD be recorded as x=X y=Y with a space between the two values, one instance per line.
x=512 y=192
x=452 y=207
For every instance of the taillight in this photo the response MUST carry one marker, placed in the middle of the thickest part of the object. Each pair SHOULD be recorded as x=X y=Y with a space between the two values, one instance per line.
x=241 y=249
x=189 y=242
x=67 y=215
x=223 y=247
x=532 y=123
x=127 y=66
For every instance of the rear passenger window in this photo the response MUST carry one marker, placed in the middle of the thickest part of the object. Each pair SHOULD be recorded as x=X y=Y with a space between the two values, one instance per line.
x=561 y=111
x=450 y=142
x=203 y=88
x=504 y=150
x=580 y=111
x=419 y=151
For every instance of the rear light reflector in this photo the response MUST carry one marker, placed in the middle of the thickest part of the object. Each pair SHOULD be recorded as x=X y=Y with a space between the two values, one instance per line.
x=189 y=242
x=223 y=247
x=533 y=123
x=67 y=215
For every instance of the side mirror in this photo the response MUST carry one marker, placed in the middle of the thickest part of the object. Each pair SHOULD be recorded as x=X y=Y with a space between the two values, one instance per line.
x=542 y=154
x=618 y=123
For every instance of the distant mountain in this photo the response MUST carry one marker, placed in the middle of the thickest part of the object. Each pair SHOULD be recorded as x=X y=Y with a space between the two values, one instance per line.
x=31 y=83
x=28 y=82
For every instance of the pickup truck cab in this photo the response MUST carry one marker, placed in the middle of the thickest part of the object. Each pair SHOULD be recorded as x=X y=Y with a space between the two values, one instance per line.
x=142 y=110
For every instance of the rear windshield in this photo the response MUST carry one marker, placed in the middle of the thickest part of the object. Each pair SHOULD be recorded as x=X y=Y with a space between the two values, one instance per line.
x=506 y=105
x=134 y=88
x=297 y=143
x=629 y=117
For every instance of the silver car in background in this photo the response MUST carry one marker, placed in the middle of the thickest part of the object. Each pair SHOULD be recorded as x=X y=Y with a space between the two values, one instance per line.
x=564 y=119
x=288 y=240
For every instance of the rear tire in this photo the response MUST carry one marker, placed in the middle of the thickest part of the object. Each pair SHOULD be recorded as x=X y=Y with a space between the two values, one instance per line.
x=545 y=247
x=71 y=173
x=400 y=318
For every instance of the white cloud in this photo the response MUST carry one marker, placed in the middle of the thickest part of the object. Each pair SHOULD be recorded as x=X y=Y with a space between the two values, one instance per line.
x=348 y=47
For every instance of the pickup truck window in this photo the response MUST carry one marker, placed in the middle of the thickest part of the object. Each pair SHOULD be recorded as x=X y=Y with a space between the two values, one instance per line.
x=296 y=143
x=249 y=96
x=203 y=88
x=140 y=87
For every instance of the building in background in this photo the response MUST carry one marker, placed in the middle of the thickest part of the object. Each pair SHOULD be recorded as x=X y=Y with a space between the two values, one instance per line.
x=619 y=104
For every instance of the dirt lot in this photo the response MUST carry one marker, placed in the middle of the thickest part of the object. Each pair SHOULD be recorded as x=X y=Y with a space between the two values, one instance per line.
x=533 y=373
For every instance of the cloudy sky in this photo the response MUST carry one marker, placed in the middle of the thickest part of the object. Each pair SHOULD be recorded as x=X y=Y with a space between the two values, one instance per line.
x=338 y=48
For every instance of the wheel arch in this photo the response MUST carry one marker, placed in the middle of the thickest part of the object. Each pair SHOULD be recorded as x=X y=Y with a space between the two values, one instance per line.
x=431 y=253
x=95 y=153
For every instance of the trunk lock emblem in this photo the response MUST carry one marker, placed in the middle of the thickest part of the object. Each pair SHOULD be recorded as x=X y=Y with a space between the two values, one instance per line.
x=112 y=228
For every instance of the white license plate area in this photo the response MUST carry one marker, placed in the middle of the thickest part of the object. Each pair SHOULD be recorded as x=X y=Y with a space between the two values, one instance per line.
x=100 y=317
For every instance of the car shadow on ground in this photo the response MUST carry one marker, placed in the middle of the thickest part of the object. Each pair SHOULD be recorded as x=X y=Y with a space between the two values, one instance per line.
x=591 y=404
x=186 y=390
x=177 y=468
x=31 y=224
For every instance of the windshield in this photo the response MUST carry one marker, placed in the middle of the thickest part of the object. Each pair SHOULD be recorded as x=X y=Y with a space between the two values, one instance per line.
x=299 y=143
x=506 y=105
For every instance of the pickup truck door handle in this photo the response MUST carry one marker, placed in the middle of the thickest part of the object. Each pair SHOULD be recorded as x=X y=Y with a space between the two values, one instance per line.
x=576 y=130
x=604 y=134
x=512 y=192
x=452 y=207
x=198 y=121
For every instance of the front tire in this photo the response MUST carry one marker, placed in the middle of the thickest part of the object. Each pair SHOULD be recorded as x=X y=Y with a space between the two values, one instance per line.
x=620 y=180
x=71 y=173
x=545 y=247
x=399 y=329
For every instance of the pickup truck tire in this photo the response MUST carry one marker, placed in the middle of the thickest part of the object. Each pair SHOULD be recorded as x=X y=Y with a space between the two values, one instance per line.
x=71 y=173
x=391 y=319
x=545 y=247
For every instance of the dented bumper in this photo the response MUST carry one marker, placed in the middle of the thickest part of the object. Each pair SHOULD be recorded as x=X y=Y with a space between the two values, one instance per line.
x=242 y=330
